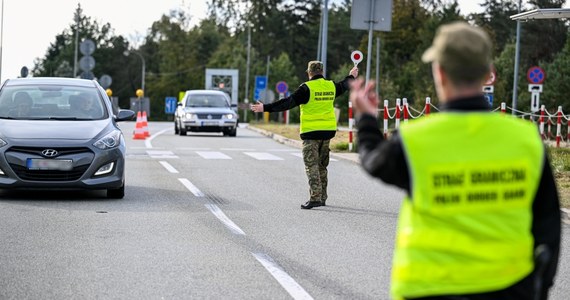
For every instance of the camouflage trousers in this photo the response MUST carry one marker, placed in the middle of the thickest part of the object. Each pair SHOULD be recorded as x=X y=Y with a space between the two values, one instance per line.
x=316 y=158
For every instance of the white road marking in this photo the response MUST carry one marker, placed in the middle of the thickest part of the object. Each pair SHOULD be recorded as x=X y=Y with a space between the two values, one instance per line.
x=212 y=155
x=263 y=156
x=161 y=154
x=192 y=188
x=148 y=141
x=287 y=282
x=139 y=148
x=191 y=149
x=281 y=150
x=236 y=149
x=168 y=167
x=224 y=219
x=301 y=156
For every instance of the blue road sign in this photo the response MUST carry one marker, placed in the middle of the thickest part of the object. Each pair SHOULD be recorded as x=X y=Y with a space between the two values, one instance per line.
x=260 y=85
x=489 y=98
x=170 y=105
x=281 y=87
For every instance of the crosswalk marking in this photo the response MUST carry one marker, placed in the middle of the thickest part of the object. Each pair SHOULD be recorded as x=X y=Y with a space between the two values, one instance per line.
x=263 y=156
x=212 y=155
x=161 y=154
x=301 y=156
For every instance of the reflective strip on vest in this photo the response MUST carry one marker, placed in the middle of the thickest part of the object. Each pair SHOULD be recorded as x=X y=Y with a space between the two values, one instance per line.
x=466 y=227
x=318 y=113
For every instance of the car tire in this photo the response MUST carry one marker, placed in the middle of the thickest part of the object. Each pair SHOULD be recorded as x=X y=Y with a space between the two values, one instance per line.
x=182 y=130
x=233 y=132
x=116 y=193
x=176 y=130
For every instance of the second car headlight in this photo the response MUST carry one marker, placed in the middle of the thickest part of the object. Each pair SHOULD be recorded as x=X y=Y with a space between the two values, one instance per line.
x=189 y=116
x=109 y=141
x=230 y=116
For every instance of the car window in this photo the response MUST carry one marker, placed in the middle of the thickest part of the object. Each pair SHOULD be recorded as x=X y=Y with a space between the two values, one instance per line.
x=202 y=100
x=51 y=102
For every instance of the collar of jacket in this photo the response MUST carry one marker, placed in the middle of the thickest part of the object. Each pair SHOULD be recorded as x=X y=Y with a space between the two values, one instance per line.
x=477 y=103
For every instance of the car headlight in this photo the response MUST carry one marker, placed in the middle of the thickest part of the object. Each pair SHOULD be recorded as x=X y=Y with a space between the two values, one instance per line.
x=2 y=143
x=230 y=116
x=109 y=141
x=189 y=116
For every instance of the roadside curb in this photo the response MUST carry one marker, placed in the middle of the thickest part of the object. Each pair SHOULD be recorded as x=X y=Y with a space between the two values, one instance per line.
x=352 y=157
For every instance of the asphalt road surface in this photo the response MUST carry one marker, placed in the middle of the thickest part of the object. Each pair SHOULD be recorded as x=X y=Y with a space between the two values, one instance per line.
x=207 y=216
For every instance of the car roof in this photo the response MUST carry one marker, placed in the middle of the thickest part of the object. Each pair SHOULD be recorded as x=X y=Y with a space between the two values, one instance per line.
x=213 y=92
x=51 y=81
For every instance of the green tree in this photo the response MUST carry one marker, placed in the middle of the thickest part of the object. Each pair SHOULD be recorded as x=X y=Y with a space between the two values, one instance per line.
x=557 y=84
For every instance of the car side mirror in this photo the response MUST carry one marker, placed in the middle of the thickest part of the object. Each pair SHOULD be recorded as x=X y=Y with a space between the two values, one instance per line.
x=125 y=115
x=179 y=104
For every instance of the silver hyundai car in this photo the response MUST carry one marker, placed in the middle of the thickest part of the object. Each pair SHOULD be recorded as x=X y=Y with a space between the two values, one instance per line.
x=60 y=133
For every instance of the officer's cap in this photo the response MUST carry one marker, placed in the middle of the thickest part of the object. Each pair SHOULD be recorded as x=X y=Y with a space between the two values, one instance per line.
x=463 y=51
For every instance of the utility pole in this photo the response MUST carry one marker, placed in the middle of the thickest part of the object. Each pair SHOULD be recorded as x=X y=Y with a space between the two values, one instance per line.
x=77 y=14
x=247 y=70
x=517 y=58
x=325 y=31
x=1 y=39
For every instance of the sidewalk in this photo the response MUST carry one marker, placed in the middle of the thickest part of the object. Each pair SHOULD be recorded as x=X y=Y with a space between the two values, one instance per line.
x=350 y=156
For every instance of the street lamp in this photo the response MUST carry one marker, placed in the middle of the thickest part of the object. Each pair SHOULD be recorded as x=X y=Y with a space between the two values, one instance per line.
x=126 y=53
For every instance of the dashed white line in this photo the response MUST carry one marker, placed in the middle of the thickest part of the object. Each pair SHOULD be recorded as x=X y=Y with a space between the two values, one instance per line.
x=168 y=167
x=192 y=188
x=236 y=149
x=224 y=219
x=287 y=282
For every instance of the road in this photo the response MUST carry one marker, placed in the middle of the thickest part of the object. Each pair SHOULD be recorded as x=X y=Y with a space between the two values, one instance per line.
x=206 y=216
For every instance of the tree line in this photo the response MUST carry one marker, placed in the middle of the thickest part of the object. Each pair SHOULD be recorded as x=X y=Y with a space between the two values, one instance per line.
x=287 y=32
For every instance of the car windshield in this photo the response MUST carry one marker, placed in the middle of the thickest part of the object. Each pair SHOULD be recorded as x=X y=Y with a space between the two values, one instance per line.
x=204 y=100
x=51 y=102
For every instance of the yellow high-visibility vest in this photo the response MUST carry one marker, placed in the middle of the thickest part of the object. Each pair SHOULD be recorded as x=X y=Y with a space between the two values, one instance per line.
x=466 y=226
x=318 y=113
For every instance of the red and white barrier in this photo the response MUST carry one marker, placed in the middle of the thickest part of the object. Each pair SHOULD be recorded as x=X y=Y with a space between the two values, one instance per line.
x=541 y=122
x=406 y=110
x=559 y=126
x=398 y=113
x=386 y=116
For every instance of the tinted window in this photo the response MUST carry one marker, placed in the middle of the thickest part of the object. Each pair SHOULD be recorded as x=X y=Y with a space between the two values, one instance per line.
x=204 y=100
x=51 y=102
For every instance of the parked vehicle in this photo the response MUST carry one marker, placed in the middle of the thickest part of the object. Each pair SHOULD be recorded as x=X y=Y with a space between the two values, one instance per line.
x=60 y=133
x=205 y=111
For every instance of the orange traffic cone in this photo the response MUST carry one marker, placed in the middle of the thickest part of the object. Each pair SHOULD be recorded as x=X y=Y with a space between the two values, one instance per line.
x=139 y=133
x=145 y=124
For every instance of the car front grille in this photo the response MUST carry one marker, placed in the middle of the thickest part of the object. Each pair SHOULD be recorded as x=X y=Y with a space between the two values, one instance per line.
x=49 y=175
x=213 y=116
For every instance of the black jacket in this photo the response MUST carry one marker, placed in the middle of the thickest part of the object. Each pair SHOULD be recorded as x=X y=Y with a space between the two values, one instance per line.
x=385 y=159
x=301 y=96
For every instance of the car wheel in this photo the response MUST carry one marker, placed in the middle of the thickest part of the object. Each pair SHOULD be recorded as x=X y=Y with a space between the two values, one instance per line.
x=182 y=130
x=176 y=130
x=116 y=193
x=233 y=132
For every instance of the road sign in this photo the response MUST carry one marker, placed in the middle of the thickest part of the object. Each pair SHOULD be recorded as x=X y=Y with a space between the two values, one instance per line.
x=87 y=47
x=260 y=85
x=489 y=98
x=105 y=81
x=381 y=11
x=356 y=57
x=535 y=75
x=87 y=63
x=170 y=105
x=281 y=87
x=24 y=72
x=87 y=75
x=492 y=77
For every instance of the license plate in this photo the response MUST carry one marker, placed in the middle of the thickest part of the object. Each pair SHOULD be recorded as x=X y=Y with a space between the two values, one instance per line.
x=210 y=123
x=49 y=164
